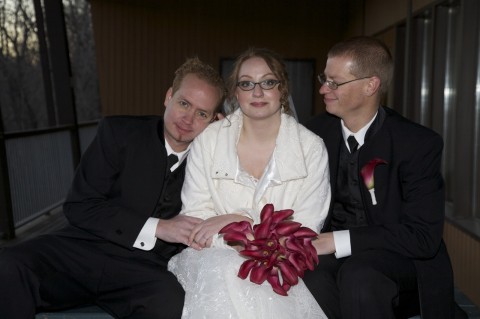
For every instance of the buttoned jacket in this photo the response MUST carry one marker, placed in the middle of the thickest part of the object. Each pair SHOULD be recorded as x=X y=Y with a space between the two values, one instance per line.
x=118 y=184
x=409 y=212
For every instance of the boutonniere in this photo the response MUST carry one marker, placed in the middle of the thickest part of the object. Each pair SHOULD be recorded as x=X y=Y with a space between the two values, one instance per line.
x=367 y=175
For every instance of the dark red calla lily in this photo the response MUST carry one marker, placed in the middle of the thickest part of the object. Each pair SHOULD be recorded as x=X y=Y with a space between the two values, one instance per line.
x=298 y=261
x=259 y=273
x=305 y=232
x=245 y=268
x=287 y=228
x=278 y=250
x=236 y=236
x=260 y=253
x=281 y=215
x=266 y=213
x=274 y=281
x=307 y=243
x=367 y=171
x=367 y=175
x=243 y=227
x=289 y=273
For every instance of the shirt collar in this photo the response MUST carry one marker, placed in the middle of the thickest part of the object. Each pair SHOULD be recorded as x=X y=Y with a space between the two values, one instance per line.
x=181 y=155
x=360 y=135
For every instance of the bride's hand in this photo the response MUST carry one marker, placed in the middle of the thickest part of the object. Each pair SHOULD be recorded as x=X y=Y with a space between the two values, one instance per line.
x=202 y=234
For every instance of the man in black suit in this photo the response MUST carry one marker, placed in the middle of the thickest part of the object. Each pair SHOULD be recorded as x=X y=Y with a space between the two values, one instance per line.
x=382 y=253
x=122 y=211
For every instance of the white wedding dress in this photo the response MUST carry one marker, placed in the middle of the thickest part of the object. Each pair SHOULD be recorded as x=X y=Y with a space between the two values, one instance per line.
x=213 y=290
x=215 y=183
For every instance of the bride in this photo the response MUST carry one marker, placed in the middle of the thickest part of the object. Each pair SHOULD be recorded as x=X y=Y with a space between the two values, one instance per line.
x=258 y=154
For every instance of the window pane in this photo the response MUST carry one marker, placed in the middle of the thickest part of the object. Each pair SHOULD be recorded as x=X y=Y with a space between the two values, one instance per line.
x=22 y=95
x=476 y=145
x=449 y=98
x=444 y=88
x=82 y=59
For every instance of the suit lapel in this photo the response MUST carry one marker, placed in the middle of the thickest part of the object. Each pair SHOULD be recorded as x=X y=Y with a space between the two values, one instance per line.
x=151 y=173
x=333 y=142
x=377 y=145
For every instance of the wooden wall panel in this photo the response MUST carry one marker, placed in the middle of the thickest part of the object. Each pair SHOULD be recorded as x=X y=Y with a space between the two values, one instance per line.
x=140 y=43
x=381 y=14
x=464 y=251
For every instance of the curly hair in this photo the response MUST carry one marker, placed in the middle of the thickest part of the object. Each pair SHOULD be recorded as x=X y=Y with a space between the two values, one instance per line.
x=274 y=62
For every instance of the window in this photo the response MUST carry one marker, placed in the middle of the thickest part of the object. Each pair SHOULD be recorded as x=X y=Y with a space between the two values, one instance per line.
x=23 y=104
x=48 y=84
x=81 y=48
x=437 y=82
x=35 y=70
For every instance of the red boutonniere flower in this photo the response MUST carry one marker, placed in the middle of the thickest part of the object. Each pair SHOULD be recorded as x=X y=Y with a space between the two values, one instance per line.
x=367 y=175
x=278 y=250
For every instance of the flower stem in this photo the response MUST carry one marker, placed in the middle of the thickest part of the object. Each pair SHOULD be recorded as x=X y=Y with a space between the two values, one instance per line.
x=372 y=194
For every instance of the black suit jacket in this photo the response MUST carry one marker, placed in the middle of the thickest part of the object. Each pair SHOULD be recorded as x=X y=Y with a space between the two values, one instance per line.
x=117 y=186
x=409 y=216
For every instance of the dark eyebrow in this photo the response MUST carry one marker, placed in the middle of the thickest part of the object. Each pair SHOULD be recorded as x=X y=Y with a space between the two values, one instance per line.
x=263 y=76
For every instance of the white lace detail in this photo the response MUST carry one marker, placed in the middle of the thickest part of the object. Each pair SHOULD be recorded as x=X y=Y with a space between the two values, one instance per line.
x=213 y=290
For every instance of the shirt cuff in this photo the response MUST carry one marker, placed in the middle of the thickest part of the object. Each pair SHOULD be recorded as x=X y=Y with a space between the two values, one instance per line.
x=341 y=239
x=146 y=239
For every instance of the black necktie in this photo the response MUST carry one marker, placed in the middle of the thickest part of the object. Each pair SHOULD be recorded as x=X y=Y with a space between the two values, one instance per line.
x=352 y=143
x=172 y=159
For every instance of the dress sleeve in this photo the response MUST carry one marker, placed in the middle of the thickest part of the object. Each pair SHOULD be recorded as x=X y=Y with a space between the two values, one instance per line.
x=313 y=200
x=198 y=191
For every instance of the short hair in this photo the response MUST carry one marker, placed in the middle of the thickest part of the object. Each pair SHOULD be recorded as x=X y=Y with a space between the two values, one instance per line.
x=204 y=72
x=274 y=62
x=370 y=57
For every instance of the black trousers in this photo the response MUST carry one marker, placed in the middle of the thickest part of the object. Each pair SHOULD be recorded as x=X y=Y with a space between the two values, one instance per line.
x=374 y=284
x=54 y=272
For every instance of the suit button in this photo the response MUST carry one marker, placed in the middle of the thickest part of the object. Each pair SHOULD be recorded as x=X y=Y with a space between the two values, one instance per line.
x=119 y=231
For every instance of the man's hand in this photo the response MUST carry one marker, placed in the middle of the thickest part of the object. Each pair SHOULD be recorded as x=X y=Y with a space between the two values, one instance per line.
x=202 y=234
x=176 y=229
x=324 y=244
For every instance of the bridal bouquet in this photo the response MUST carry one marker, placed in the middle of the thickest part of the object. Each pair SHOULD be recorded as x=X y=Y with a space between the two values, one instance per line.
x=278 y=250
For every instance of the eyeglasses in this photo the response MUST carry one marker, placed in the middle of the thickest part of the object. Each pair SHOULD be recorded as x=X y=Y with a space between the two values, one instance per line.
x=199 y=115
x=265 y=84
x=332 y=85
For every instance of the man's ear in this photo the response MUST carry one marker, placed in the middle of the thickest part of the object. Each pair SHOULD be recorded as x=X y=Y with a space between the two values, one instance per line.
x=168 y=96
x=373 y=86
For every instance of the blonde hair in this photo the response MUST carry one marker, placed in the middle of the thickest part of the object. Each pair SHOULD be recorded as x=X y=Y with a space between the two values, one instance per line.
x=202 y=71
x=370 y=57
